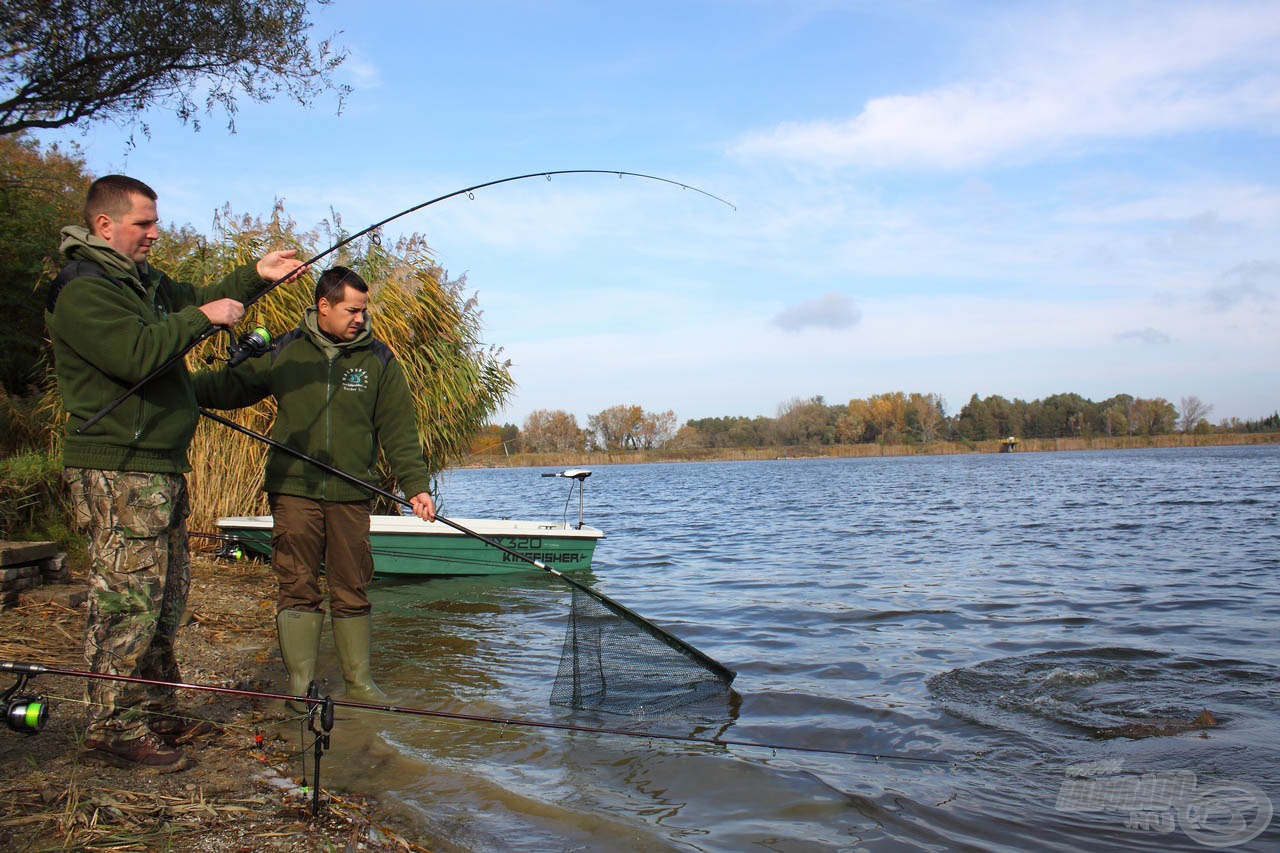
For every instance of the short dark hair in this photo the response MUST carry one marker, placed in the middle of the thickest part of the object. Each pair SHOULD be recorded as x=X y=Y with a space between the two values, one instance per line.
x=110 y=194
x=332 y=284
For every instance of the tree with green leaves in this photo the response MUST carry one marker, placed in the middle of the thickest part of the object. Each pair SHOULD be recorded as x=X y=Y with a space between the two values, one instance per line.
x=65 y=62
x=731 y=431
x=1156 y=416
x=806 y=421
x=41 y=190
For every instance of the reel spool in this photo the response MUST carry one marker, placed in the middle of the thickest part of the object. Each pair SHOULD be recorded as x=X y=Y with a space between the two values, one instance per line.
x=25 y=713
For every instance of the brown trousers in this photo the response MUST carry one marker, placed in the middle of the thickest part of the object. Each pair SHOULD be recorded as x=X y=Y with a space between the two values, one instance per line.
x=309 y=534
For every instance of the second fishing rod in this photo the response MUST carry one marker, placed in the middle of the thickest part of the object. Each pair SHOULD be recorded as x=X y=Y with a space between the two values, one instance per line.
x=26 y=670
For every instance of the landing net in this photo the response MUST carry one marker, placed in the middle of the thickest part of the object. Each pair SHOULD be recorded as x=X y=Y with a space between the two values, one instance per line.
x=613 y=664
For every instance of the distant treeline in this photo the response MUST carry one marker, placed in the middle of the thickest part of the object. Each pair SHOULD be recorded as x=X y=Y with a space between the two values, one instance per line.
x=890 y=418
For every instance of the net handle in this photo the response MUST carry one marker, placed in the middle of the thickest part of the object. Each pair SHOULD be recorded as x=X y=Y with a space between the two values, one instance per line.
x=720 y=670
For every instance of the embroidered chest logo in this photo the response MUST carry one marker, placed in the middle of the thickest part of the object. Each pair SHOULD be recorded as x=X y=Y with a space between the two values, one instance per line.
x=355 y=379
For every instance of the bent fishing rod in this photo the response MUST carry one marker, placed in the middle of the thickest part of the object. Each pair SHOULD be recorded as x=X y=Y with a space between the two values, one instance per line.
x=25 y=671
x=468 y=191
x=718 y=669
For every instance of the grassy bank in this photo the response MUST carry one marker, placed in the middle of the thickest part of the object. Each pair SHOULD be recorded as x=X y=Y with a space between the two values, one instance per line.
x=841 y=451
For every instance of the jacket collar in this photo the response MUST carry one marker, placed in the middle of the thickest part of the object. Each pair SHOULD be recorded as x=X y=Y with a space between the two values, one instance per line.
x=79 y=244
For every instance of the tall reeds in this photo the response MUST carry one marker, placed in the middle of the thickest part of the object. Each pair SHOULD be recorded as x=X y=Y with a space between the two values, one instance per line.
x=426 y=318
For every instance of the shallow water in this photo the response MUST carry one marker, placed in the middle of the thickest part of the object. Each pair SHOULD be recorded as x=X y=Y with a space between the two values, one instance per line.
x=1044 y=625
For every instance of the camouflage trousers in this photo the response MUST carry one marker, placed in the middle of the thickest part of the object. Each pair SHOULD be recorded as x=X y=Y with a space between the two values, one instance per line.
x=140 y=572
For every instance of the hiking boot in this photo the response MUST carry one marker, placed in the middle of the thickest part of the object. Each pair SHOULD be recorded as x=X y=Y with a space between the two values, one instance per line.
x=145 y=753
x=175 y=730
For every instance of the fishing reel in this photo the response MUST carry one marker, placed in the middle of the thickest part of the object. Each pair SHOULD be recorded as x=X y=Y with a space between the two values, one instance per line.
x=230 y=549
x=24 y=712
x=252 y=344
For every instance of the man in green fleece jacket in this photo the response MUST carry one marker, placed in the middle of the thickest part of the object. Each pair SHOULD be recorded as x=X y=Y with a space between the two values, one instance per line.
x=340 y=393
x=113 y=319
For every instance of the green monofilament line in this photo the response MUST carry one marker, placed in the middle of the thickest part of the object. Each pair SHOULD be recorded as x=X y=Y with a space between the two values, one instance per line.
x=34 y=711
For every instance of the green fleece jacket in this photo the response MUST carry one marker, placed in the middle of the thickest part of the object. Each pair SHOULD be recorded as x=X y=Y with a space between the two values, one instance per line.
x=337 y=402
x=112 y=327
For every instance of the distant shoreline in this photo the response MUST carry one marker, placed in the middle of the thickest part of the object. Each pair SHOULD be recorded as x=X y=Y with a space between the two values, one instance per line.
x=853 y=451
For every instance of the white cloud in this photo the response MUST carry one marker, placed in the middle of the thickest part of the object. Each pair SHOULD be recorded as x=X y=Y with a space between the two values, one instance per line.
x=1255 y=282
x=830 y=311
x=1066 y=80
x=1149 y=336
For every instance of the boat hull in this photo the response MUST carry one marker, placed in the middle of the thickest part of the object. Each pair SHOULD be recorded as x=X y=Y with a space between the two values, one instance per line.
x=409 y=546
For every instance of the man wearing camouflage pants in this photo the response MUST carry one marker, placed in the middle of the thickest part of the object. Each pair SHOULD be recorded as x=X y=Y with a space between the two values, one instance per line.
x=112 y=320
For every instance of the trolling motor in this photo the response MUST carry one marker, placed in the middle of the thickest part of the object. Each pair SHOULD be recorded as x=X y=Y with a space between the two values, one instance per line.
x=24 y=712
x=579 y=474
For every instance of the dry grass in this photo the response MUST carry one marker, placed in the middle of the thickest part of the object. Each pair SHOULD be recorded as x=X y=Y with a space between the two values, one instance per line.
x=53 y=799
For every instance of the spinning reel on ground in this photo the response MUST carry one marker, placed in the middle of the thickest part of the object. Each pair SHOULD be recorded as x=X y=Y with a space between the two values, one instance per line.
x=24 y=711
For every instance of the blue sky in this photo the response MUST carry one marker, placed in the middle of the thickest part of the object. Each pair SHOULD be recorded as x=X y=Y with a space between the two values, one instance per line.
x=957 y=198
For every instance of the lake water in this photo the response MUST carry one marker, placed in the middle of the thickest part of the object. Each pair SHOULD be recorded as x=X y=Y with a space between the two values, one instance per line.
x=1043 y=626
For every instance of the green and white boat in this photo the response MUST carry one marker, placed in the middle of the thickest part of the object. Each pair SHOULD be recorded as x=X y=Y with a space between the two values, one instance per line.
x=407 y=545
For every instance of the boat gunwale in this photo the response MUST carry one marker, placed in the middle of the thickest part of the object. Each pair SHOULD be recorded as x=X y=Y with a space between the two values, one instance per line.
x=485 y=527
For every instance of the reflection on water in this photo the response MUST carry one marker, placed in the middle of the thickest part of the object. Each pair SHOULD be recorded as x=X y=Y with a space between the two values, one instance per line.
x=1022 y=616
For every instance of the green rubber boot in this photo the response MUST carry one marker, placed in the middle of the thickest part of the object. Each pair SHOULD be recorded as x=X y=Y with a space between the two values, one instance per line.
x=351 y=634
x=299 y=632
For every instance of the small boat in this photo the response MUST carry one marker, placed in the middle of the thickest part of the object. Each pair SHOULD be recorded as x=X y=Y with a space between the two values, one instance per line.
x=407 y=545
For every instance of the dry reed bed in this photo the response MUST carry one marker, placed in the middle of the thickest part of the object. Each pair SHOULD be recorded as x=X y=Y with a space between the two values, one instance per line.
x=427 y=319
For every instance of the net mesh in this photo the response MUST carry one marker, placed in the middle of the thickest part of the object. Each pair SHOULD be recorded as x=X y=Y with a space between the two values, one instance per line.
x=611 y=664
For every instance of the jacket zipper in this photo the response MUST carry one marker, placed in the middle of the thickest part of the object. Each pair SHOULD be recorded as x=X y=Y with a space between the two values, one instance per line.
x=328 y=437
x=157 y=313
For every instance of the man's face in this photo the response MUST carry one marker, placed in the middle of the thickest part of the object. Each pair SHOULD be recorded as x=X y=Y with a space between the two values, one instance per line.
x=344 y=319
x=132 y=234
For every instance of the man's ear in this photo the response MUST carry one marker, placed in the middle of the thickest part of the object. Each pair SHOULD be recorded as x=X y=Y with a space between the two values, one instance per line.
x=102 y=226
